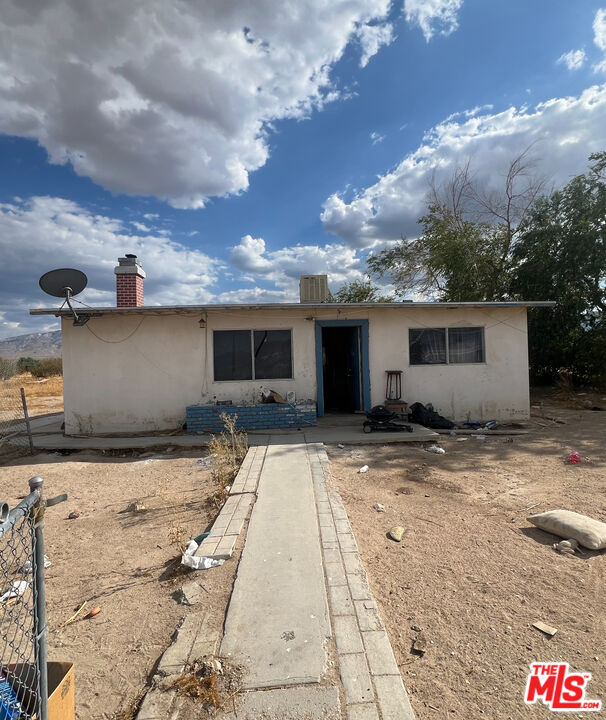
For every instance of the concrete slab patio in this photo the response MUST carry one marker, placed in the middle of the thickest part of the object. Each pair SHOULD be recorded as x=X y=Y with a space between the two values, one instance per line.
x=48 y=435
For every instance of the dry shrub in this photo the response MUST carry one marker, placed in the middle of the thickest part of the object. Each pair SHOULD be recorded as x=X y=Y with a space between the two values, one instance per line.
x=229 y=448
x=47 y=368
x=211 y=682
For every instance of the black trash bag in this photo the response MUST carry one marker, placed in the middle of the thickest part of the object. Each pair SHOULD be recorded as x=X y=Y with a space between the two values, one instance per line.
x=419 y=414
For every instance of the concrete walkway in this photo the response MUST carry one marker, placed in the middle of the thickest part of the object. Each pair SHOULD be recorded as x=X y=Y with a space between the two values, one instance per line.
x=48 y=435
x=302 y=618
x=279 y=590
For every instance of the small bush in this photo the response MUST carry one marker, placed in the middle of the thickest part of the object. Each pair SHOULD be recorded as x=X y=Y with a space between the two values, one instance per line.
x=47 y=368
x=229 y=449
x=25 y=364
x=8 y=368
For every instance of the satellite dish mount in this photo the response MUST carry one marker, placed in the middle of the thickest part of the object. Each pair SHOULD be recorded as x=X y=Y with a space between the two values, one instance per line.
x=66 y=283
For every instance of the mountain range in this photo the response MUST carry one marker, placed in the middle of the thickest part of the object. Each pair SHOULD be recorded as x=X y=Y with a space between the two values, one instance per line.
x=35 y=345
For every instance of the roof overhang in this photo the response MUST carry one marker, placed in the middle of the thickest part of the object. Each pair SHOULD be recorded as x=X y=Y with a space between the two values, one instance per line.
x=305 y=307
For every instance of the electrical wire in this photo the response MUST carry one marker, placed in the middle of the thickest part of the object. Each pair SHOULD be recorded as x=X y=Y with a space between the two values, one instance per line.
x=115 y=342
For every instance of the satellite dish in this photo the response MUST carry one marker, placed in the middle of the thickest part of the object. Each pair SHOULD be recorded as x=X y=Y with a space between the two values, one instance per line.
x=65 y=283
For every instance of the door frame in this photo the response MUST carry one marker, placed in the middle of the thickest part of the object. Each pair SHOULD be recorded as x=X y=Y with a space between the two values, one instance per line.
x=364 y=360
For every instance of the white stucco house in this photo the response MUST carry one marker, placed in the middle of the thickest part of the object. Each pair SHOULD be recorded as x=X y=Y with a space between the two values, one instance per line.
x=133 y=368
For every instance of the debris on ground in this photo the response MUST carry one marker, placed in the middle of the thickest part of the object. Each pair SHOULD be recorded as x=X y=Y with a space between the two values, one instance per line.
x=544 y=628
x=211 y=682
x=74 y=515
x=74 y=617
x=207 y=461
x=574 y=458
x=419 y=644
x=435 y=449
x=190 y=559
x=136 y=507
x=27 y=565
x=416 y=628
x=396 y=533
x=479 y=437
x=191 y=594
x=93 y=612
x=566 y=547
x=363 y=469
x=587 y=531
x=378 y=507
x=17 y=589
x=428 y=417
x=341 y=446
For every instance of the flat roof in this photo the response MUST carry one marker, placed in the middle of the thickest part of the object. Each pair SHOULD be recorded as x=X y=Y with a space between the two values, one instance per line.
x=179 y=309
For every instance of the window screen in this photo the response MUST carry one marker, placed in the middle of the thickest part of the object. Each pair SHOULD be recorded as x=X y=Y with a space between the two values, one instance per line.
x=427 y=346
x=466 y=345
x=272 y=354
x=232 y=355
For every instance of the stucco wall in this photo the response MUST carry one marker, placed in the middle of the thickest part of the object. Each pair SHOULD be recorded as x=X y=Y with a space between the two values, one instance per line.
x=139 y=372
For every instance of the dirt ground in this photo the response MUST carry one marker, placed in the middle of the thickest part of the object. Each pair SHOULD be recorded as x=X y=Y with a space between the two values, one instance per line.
x=125 y=562
x=471 y=571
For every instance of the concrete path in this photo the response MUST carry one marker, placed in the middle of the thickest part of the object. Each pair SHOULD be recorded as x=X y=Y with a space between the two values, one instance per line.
x=279 y=591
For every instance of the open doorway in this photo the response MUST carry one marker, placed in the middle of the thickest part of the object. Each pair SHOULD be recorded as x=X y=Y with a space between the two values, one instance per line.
x=342 y=366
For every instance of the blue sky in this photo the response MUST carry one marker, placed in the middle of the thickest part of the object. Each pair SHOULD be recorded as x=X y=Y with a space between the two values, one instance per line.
x=234 y=148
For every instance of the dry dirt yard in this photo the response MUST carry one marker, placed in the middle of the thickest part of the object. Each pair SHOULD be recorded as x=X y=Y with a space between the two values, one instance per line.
x=472 y=572
x=125 y=562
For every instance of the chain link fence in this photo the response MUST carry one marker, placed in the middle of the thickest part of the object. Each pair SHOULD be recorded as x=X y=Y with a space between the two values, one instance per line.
x=14 y=419
x=23 y=678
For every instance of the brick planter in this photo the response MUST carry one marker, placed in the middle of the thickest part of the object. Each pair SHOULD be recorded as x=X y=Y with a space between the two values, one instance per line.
x=205 y=418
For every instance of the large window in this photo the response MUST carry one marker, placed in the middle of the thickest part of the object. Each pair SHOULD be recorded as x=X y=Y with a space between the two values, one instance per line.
x=252 y=354
x=439 y=346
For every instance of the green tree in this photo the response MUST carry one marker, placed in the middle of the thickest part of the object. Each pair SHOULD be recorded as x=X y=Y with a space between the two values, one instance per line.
x=465 y=251
x=359 y=291
x=561 y=256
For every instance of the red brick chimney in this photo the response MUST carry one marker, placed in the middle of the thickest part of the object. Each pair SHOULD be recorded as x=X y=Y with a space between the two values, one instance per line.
x=129 y=282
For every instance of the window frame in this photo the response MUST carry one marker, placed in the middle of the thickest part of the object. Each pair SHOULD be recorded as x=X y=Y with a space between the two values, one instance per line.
x=251 y=332
x=447 y=345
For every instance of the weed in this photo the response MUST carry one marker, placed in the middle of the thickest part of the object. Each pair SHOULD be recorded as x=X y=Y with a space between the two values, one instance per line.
x=230 y=448
x=211 y=682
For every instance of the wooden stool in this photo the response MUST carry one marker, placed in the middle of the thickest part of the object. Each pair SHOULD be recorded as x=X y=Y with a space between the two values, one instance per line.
x=393 y=386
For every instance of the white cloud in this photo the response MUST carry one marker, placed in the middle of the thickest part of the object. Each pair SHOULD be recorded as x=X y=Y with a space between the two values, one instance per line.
x=376 y=137
x=599 y=37
x=141 y=227
x=45 y=233
x=372 y=38
x=565 y=131
x=433 y=16
x=282 y=268
x=172 y=99
x=573 y=59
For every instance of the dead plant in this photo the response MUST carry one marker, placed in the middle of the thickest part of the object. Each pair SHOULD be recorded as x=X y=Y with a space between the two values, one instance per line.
x=211 y=682
x=230 y=448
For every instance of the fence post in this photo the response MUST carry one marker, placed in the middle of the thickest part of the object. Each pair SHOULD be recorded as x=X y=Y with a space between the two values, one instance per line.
x=35 y=484
x=27 y=425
